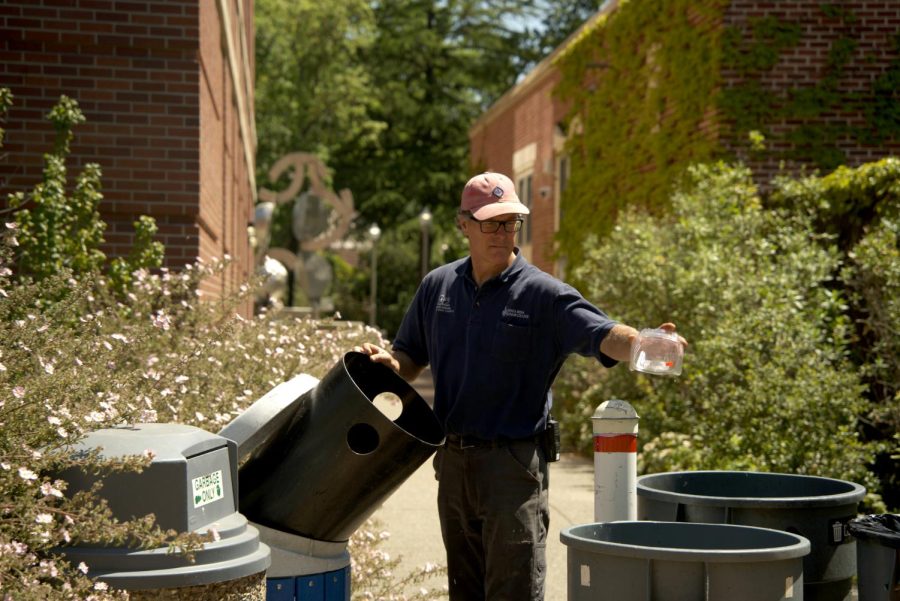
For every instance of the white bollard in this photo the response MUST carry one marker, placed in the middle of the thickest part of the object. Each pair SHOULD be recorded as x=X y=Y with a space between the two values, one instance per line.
x=615 y=461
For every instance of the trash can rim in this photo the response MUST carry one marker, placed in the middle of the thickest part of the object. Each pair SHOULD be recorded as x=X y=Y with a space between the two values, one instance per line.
x=195 y=575
x=401 y=383
x=853 y=495
x=798 y=548
x=861 y=528
x=236 y=554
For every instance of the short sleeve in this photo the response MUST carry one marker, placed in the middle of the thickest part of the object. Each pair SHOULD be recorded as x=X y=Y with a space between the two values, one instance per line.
x=411 y=337
x=581 y=326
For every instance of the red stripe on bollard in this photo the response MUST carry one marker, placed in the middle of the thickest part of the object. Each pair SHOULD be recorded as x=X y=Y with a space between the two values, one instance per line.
x=619 y=443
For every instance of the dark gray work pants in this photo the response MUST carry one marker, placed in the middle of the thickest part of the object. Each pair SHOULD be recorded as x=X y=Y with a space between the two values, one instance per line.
x=494 y=513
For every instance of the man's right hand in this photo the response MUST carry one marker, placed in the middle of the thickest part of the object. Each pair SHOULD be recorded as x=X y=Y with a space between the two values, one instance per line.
x=396 y=360
x=379 y=355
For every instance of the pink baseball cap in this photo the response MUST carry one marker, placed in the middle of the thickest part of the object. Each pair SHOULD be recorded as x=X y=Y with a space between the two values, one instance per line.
x=491 y=194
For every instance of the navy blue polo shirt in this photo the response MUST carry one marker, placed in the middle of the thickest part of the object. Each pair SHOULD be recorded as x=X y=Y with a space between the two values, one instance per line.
x=494 y=351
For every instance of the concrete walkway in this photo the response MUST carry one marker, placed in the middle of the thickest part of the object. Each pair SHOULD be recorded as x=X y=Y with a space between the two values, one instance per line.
x=410 y=514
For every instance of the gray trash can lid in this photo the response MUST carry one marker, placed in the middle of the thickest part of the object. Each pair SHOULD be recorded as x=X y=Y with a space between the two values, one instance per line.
x=236 y=554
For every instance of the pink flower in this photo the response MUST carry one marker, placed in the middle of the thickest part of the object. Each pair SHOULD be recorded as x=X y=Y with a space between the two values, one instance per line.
x=48 y=491
x=214 y=533
x=26 y=474
x=161 y=321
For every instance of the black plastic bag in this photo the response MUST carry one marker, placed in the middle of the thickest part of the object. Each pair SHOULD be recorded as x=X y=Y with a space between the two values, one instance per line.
x=883 y=528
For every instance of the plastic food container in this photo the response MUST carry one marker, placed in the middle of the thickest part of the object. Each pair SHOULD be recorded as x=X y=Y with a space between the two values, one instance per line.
x=658 y=352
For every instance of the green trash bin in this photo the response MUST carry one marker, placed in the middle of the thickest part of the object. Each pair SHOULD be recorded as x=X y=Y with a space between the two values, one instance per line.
x=671 y=561
x=817 y=508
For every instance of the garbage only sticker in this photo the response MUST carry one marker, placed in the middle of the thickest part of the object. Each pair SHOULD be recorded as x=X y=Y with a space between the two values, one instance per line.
x=207 y=489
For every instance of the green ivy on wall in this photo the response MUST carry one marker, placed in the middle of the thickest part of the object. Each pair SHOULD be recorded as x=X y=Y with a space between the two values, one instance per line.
x=642 y=82
x=883 y=110
x=759 y=51
x=646 y=89
x=748 y=107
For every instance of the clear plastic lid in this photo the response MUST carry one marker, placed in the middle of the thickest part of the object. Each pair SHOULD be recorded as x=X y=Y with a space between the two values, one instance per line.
x=658 y=352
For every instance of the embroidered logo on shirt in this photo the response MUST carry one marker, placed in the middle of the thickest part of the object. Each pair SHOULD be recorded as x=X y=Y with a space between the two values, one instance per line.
x=516 y=313
x=443 y=304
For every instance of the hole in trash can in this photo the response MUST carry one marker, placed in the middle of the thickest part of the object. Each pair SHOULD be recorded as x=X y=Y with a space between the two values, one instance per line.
x=362 y=439
x=390 y=405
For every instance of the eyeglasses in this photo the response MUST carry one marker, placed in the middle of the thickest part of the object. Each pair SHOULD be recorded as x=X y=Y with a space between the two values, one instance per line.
x=489 y=227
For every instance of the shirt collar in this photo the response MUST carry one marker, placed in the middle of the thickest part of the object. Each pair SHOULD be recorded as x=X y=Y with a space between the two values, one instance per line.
x=518 y=264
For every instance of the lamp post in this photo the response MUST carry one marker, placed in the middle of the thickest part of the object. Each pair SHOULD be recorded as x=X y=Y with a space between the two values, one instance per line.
x=425 y=225
x=374 y=234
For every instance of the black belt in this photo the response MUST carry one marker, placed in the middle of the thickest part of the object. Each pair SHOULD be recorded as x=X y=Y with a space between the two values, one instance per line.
x=458 y=441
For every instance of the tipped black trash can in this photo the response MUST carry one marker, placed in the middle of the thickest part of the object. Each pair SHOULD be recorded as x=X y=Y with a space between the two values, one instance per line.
x=819 y=509
x=340 y=456
x=668 y=561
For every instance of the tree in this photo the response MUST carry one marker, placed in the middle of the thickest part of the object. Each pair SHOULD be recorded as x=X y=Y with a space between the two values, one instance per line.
x=313 y=93
x=559 y=19
x=435 y=66
x=385 y=93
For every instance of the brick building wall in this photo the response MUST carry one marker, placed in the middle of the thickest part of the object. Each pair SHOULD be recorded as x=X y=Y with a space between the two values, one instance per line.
x=872 y=26
x=527 y=114
x=518 y=139
x=167 y=90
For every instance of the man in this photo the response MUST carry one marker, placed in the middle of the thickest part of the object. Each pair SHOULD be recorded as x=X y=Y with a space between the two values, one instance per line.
x=496 y=331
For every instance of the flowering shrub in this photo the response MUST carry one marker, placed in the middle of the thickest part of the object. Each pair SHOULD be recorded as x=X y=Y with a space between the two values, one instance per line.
x=373 y=578
x=80 y=350
x=58 y=228
x=768 y=383
x=88 y=361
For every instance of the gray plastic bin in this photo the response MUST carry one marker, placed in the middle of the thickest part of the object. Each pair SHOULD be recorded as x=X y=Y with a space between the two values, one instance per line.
x=668 y=561
x=814 y=507
x=190 y=486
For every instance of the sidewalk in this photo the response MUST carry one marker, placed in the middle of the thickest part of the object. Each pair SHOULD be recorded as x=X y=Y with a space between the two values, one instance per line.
x=410 y=514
